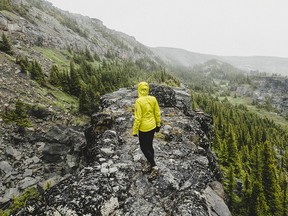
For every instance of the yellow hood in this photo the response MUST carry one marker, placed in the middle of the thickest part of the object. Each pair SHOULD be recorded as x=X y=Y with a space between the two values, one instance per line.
x=143 y=89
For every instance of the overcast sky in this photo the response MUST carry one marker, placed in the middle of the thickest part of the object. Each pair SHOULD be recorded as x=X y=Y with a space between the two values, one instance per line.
x=220 y=27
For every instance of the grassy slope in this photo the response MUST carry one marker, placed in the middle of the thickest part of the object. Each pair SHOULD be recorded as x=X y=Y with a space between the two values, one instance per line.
x=261 y=112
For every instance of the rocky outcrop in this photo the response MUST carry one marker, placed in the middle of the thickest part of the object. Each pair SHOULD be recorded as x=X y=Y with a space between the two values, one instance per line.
x=112 y=183
x=274 y=90
x=38 y=158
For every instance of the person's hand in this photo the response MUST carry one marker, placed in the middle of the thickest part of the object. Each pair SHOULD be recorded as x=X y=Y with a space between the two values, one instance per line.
x=157 y=129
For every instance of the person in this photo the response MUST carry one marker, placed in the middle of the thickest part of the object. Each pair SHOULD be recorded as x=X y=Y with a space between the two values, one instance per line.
x=147 y=121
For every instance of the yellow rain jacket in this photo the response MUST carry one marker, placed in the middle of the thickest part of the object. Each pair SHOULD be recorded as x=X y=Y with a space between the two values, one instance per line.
x=146 y=111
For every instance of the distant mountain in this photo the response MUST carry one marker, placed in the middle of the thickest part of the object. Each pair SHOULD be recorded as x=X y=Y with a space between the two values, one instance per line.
x=180 y=57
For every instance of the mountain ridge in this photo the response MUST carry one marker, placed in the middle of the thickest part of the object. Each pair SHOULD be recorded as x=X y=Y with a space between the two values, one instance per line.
x=182 y=57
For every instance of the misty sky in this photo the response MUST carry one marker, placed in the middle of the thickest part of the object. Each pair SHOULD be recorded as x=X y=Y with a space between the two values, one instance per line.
x=220 y=27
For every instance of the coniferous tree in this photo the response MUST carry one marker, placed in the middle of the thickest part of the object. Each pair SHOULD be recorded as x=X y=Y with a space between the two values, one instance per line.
x=37 y=73
x=5 y=45
x=246 y=195
x=231 y=186
x=284 y=186
x=233 y=154
x=258 y=205
x=64 y=80
x=74 y=82
x=21 y=116
x=54 y=78
x=84 y=101
x=88 y=55
x=94 y=99
x=24 y=64
x=270 y=181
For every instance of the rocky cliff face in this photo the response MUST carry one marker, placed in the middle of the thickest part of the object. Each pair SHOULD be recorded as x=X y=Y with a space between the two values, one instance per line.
x=109 y=180
x=272 y=90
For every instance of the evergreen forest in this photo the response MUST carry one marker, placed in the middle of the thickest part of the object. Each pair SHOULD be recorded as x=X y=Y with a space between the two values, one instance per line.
x=252 y=154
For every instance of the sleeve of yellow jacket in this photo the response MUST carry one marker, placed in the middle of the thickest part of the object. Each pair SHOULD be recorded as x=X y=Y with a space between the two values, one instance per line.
x=157 y=114
x=137 y=117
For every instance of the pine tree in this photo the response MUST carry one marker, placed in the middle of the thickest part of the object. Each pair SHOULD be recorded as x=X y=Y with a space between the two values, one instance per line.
x=54 y=78
x=64 y=80
x=270 y=182
x=21 y=116
x=74 y=82
x=84 y=101
x=88 y=55
x=5 y=45
x=37 y=73
x=24 y=64
x=284 y=186
x=231 y=186
x=258 y=205
x=233 y=153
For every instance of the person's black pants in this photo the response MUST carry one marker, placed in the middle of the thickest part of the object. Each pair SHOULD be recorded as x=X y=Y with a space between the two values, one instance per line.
x=146 y=145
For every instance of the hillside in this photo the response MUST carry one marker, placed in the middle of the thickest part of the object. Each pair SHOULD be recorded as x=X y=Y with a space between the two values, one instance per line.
x=38 y=23
x=44 y=36
x=180 y=58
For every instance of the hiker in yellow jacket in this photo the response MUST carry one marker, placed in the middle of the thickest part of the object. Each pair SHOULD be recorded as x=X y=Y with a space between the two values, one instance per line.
x=147 y=119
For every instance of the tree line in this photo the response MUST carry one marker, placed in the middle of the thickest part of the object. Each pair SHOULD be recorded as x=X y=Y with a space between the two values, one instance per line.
x=253 y=156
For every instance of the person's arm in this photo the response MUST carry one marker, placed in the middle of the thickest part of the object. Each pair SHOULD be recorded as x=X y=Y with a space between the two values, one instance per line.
x=157 y=114
x=137 y=118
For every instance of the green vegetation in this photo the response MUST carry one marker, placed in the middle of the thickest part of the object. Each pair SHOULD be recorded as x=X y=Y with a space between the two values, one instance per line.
x=59 y=58
x=5 y=45
x=33 y=68
x=87 y=80
x=20 y=201
x=36 y=73
x=18 y=115
x=5 y=5
x=252 y=154
x=260 y=111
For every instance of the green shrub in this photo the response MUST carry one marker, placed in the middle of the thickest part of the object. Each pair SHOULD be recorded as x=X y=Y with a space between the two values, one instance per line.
x=5 y=5
x=5 y=45
x=18 y=116
x=20 y=201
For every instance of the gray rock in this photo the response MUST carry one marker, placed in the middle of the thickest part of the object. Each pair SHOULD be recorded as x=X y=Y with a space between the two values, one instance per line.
x=27 y=182
x=216 y=204
x=110 y=206
x=5 y=167
x=10 y=193
x=11 y=152
x=27 y=173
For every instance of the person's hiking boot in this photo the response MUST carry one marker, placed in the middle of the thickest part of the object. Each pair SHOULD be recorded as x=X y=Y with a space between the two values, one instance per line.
x=146 y=168
x=154 y=173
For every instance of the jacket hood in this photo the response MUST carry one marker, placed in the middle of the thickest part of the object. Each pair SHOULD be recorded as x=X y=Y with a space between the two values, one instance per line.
x=143 y=89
